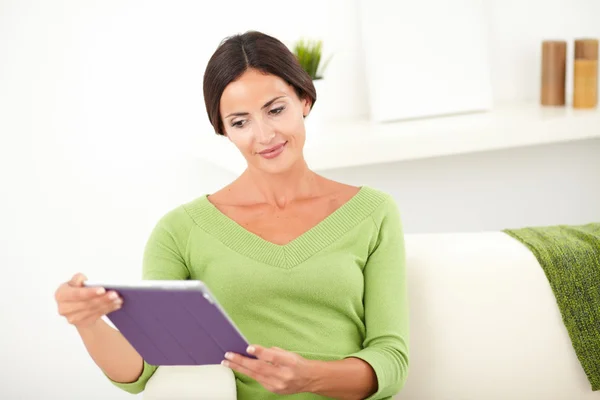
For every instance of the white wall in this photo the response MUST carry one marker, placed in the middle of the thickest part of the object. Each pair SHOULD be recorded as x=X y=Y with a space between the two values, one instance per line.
x=101 y=114
x=545 y=185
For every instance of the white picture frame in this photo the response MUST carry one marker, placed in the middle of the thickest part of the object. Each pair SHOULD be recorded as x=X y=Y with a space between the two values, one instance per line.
x=425 y=58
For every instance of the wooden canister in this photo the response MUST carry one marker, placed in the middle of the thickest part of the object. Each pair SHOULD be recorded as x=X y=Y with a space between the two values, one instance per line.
x=585 y=70
x=554 y=72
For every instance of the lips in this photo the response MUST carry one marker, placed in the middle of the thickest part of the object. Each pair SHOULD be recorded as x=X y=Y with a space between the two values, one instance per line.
x=273 y=152
x=272 y=149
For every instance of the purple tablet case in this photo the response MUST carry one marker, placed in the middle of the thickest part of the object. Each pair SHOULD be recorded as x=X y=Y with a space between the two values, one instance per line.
x=176 y=327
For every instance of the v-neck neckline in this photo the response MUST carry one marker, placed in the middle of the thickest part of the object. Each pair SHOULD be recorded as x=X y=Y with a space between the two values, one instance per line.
x=288 y=255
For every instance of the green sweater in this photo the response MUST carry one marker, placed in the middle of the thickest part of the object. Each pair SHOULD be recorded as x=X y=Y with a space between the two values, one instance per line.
x=337 y=291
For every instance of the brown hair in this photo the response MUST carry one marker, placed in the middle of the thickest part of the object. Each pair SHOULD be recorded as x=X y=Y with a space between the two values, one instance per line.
x=256 y=50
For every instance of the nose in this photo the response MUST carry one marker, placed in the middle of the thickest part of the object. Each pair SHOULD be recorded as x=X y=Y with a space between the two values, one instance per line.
x=264 y=132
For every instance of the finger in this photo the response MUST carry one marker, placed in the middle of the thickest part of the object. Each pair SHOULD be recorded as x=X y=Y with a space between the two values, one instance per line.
x=78 y=279
x=275 y=355
x=257 y=366
x=111 y=302
x=269 y=382
x=68 y=292
x=263 y=380
x=280 y=350
x=94 y=312
x=107 y=303
x=83 y=293
x=72 y=307
x=102 y=303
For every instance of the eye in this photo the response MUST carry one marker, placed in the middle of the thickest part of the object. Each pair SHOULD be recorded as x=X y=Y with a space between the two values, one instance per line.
x=238 y=124
x=277 y=110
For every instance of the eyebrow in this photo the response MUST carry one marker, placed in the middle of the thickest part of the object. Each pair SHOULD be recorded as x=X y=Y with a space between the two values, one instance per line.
x=267 y=104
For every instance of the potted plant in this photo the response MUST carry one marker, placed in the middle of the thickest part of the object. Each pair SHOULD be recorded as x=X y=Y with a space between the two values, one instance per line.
x=310 y=56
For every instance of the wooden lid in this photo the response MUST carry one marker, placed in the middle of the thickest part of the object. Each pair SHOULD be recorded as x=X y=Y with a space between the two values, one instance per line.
x=586 y=49
x=560 y=43
x=554 y=51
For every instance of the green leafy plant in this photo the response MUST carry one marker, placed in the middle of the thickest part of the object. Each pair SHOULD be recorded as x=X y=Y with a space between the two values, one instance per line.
x=309 y=54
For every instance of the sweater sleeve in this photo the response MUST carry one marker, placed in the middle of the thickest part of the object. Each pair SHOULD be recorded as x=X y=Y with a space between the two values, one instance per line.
x=164 y=259
x=386 y=344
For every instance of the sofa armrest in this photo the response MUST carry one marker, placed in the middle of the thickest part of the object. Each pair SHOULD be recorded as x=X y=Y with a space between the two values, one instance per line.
x=485 y=323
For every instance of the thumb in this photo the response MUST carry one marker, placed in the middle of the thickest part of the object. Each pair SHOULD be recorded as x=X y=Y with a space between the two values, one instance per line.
x=77 y=280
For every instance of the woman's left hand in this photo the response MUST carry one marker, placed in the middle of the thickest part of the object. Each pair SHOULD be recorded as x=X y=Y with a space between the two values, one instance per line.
x=277 y=370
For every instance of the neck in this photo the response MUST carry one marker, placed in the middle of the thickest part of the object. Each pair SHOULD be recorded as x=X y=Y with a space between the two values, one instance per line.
x=281 y=189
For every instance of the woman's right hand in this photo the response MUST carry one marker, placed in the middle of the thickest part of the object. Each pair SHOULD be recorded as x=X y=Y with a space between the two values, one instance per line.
x=83 y=306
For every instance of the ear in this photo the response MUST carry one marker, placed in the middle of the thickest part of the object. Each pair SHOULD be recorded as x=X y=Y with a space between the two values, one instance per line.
x=306 y=106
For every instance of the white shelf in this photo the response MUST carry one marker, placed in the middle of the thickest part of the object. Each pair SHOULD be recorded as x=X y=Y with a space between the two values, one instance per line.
x=356 y=143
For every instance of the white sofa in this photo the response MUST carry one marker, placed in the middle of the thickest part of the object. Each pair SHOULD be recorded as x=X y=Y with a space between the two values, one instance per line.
x=484 y=326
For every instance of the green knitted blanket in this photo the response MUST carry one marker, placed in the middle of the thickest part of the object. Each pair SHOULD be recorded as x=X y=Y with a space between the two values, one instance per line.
x=570 y=257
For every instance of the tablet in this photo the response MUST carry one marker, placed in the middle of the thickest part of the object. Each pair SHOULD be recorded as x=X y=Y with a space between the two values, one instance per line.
x=174 y=322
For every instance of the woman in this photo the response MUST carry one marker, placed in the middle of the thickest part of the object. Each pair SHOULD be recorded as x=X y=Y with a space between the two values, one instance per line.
x=310 y=269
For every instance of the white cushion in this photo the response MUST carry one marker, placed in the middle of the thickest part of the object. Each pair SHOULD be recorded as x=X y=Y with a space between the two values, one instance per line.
x=213 y=382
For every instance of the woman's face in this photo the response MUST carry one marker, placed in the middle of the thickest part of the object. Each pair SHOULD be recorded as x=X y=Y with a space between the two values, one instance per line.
x=263 y=117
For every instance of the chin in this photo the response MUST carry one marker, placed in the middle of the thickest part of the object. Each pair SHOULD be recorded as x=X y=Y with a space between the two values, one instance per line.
x=275 y=166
